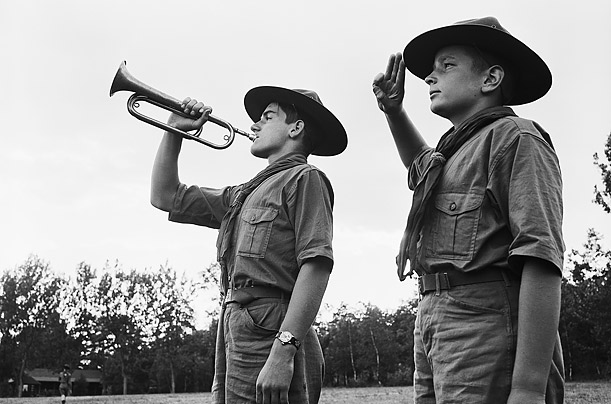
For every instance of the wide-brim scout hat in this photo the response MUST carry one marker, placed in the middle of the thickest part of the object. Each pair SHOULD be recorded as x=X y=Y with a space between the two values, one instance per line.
x=331 y=133
x=533 y=78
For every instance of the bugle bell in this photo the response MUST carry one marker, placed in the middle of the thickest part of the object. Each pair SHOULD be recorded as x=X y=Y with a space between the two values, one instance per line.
x=124 y=81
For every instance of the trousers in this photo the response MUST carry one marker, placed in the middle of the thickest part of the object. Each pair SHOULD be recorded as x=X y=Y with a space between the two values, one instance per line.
x=465 y=345
x=244 y=340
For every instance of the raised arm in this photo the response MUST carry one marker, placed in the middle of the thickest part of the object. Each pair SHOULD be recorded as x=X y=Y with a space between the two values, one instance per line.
x=164 y=179
x=389 y=89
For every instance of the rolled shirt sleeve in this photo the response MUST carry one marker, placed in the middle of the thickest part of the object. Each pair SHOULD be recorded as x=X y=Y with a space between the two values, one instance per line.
x=534 y=201
x=201 y=206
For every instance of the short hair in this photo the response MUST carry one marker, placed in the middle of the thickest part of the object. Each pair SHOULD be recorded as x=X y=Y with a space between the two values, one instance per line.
x=483 y=60
x=310 y=131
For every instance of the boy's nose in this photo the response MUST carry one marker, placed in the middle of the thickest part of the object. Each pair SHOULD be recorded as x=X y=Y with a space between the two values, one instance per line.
x=430 y=79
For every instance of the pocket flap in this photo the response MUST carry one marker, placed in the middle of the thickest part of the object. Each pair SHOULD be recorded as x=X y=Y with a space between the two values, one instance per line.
x=457 y=203
x=258 y=215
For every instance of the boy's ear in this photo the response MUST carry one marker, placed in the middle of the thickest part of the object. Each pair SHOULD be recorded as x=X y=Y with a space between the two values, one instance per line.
x=297 y=128
x=494 y=77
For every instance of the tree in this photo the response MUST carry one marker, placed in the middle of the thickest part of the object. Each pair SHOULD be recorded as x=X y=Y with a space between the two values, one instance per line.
x=377 y=347
x=172 y=317
x=111 y=313
x=132 y=319
x=369 y=346
x=403 y=321
x=602 y=197
x=340 y=367
x=28 y=307
x=585 y=319
x=211 y=285
x=374 y=322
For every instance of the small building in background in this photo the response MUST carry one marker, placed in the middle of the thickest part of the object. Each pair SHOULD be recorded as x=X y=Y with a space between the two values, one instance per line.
x=30 y=387
x=85 y=382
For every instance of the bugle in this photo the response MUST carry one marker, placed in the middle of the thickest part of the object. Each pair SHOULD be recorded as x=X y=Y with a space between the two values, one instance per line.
x=124 y=81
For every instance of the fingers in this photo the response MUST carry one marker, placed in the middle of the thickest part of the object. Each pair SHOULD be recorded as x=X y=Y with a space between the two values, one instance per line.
x=378 y=79
x=401 y=74
x=191 y=115
x=395 y=72
x=270 y=395
x=284 y=397
x=378 y=92
x=389 y=88
x=194 y=108
x=397 y=62
x=394 y=66
x=389 y=67
x=260 y=397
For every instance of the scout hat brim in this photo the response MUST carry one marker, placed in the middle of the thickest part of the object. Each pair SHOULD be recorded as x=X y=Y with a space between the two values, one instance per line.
x=333 y=138
x=533 y=77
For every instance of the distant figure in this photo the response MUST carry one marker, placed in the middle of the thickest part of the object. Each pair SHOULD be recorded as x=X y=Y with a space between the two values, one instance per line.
x=64 y=382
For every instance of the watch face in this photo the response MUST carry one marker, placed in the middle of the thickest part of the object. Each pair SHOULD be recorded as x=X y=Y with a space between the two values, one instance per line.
x=285 y=337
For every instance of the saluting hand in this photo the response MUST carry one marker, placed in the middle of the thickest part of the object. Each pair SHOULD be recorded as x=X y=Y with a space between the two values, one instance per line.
x=197 y=111
x=389 y=87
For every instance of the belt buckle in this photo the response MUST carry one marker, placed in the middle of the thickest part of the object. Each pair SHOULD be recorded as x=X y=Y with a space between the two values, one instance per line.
x=421 y=285
x=228 y=296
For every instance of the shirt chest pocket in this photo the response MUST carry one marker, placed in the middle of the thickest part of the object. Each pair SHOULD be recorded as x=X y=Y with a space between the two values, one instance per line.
x=255 y=229
x=454 y=224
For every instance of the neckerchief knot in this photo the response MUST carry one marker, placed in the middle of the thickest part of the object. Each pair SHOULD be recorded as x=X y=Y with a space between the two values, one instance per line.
x=438 y=158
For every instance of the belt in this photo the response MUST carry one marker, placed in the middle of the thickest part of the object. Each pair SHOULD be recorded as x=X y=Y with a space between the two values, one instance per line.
x=248 y=294
x=446 y=280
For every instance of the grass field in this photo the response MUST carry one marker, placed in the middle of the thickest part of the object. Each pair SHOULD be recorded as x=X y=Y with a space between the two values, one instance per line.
x=576 y=393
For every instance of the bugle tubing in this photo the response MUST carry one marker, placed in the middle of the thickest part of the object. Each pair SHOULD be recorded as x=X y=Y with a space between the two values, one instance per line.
x=142 y=92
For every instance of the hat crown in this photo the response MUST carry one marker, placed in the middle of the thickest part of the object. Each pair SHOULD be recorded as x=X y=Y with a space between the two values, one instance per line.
x=490 y=22
x=310 y=94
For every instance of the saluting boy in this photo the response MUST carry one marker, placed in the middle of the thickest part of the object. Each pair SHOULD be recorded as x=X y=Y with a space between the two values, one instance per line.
x=484 y=233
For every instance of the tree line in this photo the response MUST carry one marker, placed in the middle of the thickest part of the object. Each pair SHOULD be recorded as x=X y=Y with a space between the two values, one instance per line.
x=138 y=328
x=135 y=326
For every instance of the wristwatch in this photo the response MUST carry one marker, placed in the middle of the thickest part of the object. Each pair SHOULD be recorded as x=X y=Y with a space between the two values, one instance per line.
x=286 y=337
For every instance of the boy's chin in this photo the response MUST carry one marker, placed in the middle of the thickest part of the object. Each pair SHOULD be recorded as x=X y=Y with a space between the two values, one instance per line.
x=439 y=110
x=255 y=151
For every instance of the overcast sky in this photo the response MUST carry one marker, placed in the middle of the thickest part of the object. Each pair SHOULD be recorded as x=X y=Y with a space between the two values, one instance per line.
x=75 y=166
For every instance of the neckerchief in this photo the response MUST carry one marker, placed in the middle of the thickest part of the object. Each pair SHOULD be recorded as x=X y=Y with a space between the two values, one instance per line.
x=449 y=144
x=228 y=223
